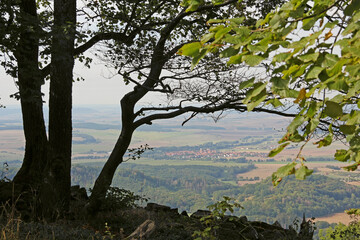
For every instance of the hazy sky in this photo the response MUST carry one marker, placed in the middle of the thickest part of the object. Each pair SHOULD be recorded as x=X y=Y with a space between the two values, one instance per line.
x=98 y=87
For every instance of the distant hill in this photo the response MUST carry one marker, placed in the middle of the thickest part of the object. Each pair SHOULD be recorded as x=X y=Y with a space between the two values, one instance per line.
x=194 y=187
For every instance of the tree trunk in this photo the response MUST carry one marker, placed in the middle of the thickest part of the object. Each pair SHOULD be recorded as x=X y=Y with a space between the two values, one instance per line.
x=104 y=180
x=30 y=81
x=55 y=192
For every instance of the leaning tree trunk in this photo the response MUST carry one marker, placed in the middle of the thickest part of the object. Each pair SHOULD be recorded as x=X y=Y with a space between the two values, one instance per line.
x=106 y=175
x=55 y=192
x=30 y=81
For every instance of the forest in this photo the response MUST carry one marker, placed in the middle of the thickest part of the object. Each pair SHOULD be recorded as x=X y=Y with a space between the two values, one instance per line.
x=195 y=187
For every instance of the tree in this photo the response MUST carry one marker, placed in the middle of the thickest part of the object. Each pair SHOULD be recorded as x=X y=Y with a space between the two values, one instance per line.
x=150 y=63
x=32 y=32
x=25 y=32
x=143 y=38
x=311 y=51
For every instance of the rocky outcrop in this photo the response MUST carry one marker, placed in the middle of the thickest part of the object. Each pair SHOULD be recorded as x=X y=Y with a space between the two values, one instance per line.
x=167 y=225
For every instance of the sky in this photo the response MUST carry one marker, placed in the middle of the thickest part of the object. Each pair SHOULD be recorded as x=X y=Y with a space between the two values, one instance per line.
x=101 y=86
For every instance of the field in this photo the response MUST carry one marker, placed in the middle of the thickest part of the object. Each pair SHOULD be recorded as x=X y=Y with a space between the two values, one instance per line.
x=336 y=218
x=256 y=135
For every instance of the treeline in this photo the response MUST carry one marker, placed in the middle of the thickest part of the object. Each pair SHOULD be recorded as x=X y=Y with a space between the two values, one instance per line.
x=159 y=152
x=85 y=139
x=145 y=128
x=208 y=145
x=195 y=177
x=194 y=187
x=315 y=196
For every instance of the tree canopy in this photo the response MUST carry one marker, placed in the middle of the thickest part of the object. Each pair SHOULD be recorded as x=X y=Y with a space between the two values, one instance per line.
x=310 y=50
x=140 y=39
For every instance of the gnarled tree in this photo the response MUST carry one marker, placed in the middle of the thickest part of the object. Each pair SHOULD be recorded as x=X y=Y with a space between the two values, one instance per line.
x=152 y=64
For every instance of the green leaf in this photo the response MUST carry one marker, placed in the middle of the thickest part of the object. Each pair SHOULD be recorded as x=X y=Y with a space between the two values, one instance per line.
x=312 y=110
x=236 y=59
x=217 y=2
x=190 y=49
x=279 y=83
x=207 y=37
x=212 y=21
x=310 y=57
x=221 y=33
x=338 y=84
x=314 y=122
x=252 y=60
x=247 y=84
x=333 y=109
x=275 y=21
x=352 y=7
x=355 y=142
x=237 y=21
x=309 y=23
x=352 y=167
x=229 y=52
x=329 y=60
x=192 y=5
x=257 y=48
x=347 y=129
x=275 y=102
x=289 y=6
x=314 y=73
x=283 y=172
x=303 y=172
x=197 y=58
x=296 y=137
x=342 y=155
x=337 y=68
x=257 y=100
x=326 y=141
x=257 y=89
x=281 y=57
x=290 y=70
x=277 y=150
x=296 y=122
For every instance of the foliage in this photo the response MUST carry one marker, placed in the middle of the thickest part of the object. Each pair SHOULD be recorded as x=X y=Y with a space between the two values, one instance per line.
x=4 y=172
x=217 y=215
x=194 y=187
x=135 y=153
x=117 y=198
x=341 y=231
x=316 y=196
x=310 y=50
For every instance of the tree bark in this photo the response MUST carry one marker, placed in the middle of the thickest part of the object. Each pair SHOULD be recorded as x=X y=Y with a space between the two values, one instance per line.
x=55 y=192
x=106 y=175
x=30 y=81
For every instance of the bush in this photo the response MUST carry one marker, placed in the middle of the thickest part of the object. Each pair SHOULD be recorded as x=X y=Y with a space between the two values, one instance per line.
x=118 y=198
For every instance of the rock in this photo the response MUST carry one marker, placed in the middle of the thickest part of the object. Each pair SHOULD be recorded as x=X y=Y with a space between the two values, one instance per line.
x=184 y=213
x=157 y=207
x=78 y=193
x=243 y=219
x=276 y=223
x=143 y=232
x=160 y=208
x=200 y=213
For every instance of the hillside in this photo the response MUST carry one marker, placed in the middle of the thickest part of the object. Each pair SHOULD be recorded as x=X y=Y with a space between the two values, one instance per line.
x=194 y=187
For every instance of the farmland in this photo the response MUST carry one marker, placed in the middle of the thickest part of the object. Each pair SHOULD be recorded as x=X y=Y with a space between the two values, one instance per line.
x=237 y=141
